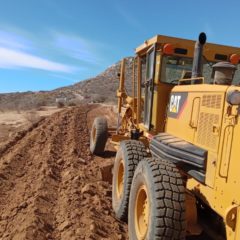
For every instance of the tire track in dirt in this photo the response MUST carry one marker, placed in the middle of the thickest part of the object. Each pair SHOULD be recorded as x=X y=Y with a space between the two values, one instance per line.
x=28 y=169
x=51 y=189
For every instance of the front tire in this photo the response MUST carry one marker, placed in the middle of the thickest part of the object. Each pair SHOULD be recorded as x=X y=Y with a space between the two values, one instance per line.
x=130 y=153
x=99 y=135
x=157 y=202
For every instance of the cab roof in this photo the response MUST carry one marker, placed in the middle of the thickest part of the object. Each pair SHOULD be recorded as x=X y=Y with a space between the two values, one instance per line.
x=213 y=52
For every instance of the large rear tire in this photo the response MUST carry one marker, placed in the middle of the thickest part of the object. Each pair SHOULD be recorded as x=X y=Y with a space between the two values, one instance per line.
x=99 y=135
x=130 y=153
x=157 y=202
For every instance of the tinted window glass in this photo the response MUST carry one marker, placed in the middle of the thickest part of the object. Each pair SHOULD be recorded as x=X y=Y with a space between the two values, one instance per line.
x=174 y=68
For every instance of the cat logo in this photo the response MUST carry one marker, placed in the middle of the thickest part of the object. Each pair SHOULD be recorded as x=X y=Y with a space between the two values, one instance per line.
x=174 y=103
x=177 y=104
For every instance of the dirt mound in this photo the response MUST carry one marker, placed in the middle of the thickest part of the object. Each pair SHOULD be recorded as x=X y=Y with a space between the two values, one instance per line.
x=52 y=188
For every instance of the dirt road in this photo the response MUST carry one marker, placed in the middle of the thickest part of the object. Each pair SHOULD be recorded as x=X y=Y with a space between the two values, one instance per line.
x=50 y=187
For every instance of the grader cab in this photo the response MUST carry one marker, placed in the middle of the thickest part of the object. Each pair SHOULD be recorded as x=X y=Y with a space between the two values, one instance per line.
x=176 y=171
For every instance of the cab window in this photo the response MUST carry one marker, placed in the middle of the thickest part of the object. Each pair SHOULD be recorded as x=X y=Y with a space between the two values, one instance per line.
x=174 y=68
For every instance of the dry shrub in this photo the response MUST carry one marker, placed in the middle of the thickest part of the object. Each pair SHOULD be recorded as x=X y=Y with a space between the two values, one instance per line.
x=60 y=104
x=74 y=102
x=32 y=116
x=41 y=108
x=97 y=98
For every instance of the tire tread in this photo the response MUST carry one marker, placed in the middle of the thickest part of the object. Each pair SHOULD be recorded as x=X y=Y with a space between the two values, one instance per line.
x=134 y=151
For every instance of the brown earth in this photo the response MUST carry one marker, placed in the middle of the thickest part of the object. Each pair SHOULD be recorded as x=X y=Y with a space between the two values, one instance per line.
x=13 y=122
x=51 y=187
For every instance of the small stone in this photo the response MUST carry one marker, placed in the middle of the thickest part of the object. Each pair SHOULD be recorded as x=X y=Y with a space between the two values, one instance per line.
x=92 y=227
x=87 y=189
x=29 y=164
x=81 y=160
x=64 y=225
x=48 y=236
x=106 y=212
x=73 y=151
x=22 y=205
x=119 y=236
x=5 y=235
x=74 y=215
x=60 y=161
x=21 y=174
x=67 y=174
x=68 y=235
x=77 y=178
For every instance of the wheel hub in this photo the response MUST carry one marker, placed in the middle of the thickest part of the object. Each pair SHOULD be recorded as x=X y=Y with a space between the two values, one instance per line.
x=142 y=212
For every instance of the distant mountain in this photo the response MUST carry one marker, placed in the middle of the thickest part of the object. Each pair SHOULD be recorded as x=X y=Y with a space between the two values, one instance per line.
x=99 y=89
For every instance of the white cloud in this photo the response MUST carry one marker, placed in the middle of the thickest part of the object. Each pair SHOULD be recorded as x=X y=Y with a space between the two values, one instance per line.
x=14 y=59
x=13 y=39
x=77 y=47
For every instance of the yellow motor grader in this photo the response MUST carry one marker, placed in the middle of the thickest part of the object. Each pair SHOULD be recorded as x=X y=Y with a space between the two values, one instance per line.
x=177 y=168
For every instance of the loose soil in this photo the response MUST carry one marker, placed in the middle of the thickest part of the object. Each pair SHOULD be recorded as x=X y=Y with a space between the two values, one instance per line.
x=51 y=187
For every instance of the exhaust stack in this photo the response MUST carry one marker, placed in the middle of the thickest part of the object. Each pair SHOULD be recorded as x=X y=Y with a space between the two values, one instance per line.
x=197 y=60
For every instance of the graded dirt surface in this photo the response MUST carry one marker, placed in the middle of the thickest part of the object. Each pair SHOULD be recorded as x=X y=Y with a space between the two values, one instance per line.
x=51 y=187
x=11 y=122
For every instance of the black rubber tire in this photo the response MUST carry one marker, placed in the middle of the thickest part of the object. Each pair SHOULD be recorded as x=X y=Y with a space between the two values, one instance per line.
x=131 y=152
x=99 y=135
x=166 y=194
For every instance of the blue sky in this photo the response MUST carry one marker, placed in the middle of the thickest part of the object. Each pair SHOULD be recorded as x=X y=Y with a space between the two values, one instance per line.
x=52 y=43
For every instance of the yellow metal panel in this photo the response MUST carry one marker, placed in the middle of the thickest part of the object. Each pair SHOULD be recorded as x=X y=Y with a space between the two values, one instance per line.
x=227 y=179
x=224 y=197
x=226 y=150
x=211 y=169
x=181 y=126
x=200 y=88
x=200 y=122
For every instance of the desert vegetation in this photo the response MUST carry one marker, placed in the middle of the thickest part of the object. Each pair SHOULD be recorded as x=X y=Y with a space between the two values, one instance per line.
x=99 y=89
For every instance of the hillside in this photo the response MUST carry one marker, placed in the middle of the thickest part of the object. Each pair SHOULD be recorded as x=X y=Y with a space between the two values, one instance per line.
x=100 y=89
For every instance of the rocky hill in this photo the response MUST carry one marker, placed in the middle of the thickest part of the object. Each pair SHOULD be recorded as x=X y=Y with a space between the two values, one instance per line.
x=100 y=89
